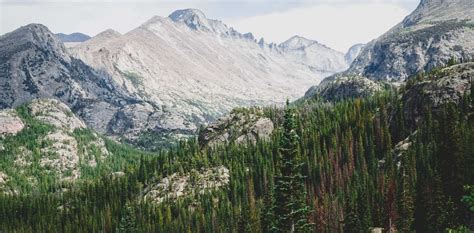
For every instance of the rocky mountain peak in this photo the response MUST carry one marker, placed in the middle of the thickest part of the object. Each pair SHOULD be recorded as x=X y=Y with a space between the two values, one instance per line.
x=297 y=42
x=108 y=34
x=430 y=11
x=194 y=18
x=33 y=34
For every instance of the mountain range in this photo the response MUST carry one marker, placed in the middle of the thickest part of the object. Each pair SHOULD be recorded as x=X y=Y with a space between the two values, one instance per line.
x=383 y=143
x=168 y=76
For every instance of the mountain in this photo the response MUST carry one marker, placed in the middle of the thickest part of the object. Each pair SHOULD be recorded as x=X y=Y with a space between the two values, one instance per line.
x=353 y=52
x=45 y=147
x=62 y=154
x=444 y=86
x=35 y=64
x=435 y=33
x=316 y=56
x=196 y=69
x=73 y=37
x=387 y=172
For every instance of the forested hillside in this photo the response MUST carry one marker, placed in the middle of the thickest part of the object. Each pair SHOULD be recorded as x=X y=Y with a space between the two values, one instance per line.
x=343 y=166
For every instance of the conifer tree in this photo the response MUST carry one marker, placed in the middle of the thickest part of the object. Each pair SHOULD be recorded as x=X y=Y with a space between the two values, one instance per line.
x=291 y=211
x=128 y=221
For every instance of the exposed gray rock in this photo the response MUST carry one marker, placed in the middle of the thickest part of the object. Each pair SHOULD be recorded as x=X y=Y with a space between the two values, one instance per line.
x=345 y=87
x=181 y=186
x=60 y=152
x=436 y=32
x=56 y=113
x=446 y=86
x=239 y=127
x=353 y=52
x=195 y=69
x=61 y=155
x=35 y=64
x=10 y=122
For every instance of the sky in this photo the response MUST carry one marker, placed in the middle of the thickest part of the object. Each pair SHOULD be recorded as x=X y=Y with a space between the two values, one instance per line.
x=337 y=23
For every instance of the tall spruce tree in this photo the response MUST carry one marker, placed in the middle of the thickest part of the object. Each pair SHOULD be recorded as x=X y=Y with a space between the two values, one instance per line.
x=291 y=211
x=128 y=222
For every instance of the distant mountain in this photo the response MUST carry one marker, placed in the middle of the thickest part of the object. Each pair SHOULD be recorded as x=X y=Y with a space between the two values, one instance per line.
x=435 y=33
x=35 y=64
x=317 y=56
x=197 y=69
x=73 y=37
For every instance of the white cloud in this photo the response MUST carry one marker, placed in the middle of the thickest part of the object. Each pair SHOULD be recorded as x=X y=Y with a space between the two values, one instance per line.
x=336 y=25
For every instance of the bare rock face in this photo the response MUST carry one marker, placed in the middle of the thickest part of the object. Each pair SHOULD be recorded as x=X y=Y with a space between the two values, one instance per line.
x=345 y=87
x=238 y=127
x=34 y=64
x=178 y=186
x=195 y=69
x=446 y=86
x=57 y=151
x=436 y=32
x=61 y=156
x=353 y=52
x=10 y=122
x=55 y=113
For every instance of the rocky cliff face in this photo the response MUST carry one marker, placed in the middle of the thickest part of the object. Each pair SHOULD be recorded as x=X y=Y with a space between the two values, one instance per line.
x=35 y=64
x=178 y=186
x=11 y=124
x=447 y=85
x=437 y=31
x=239 y=127
x=345 y=87
x=353 y=53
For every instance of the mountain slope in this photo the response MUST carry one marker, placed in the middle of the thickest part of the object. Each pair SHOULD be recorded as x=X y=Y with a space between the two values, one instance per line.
x=435 y=33
x=312 y=54
x=53 y=152
x=35 y=64
x=385 y=173
x=353 y=52
x=196 y=68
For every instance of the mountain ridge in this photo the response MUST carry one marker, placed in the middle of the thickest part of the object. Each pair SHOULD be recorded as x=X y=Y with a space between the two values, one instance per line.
x=198 y=68
x=35 y=64
x=435 y=33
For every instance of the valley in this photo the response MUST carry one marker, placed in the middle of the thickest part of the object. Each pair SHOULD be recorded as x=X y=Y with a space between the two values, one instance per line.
x=184 y=124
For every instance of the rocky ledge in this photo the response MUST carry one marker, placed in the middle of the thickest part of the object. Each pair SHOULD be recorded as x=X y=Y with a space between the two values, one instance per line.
x=240 y=126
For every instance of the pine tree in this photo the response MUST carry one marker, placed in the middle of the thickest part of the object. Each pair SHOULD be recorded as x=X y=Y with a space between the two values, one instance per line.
x=291 y=211
x=405 y=198
x=267 y=217
x=128 y=222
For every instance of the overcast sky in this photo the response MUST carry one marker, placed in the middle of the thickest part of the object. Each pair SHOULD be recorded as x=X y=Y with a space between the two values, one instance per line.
x=336 y=23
